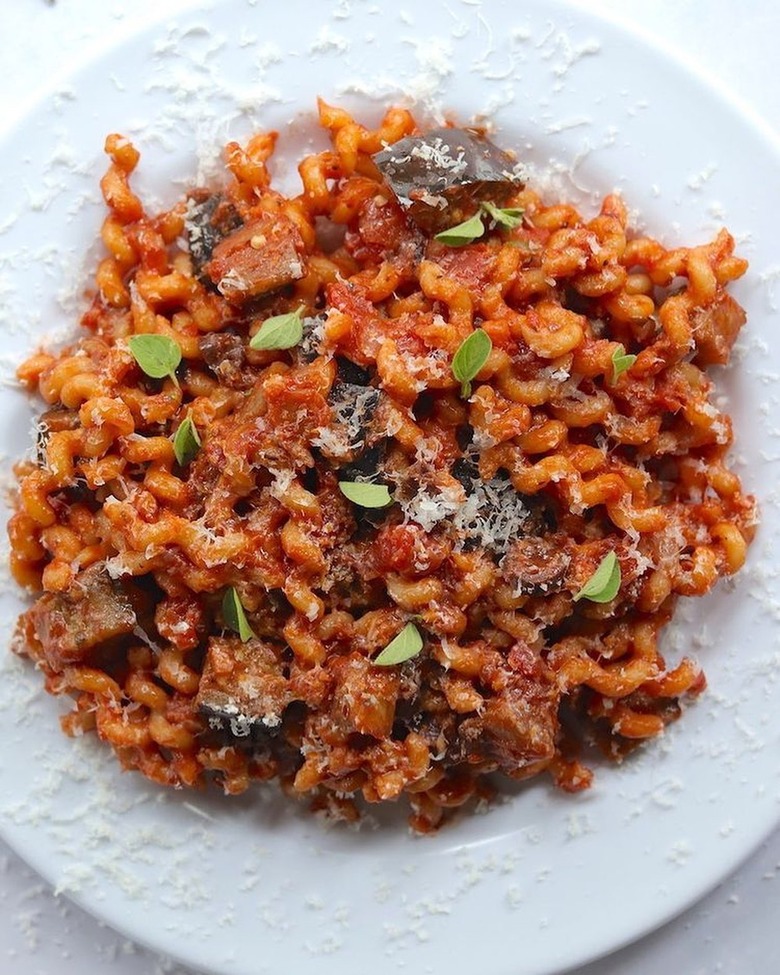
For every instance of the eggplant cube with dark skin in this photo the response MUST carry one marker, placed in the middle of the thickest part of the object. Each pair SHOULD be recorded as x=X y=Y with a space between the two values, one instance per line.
x=243 y=689
x=92 y=613
x=441 y=178
x=353 y=408
x=258 y=259
x=210 y=218
x=537 y=565
x=225 y=354
x=516 y=729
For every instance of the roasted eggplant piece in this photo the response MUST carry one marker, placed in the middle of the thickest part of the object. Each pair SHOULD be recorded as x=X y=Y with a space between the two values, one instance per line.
x=310 y=344
x=537 y=564
x=93 y=612
x=353 y=408
x=210 y=218
x=441 y=178
x=225 y=354
x=243 y=690
x=351 y=372
x=259 y=258
x=516 y=728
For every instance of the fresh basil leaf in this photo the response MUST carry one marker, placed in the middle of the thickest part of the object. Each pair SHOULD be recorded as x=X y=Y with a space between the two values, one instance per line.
x=509 y=217
x=603 y=585
x=279 y=332
x=471 y=356
x=365 y=494
x=621 y=361
x=234 y=615
x=462 y=233
x=157 y=355
x=403 y=647
x=186 y=441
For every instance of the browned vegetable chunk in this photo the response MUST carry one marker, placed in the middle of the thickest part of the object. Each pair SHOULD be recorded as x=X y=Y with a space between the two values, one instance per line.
x=210 y=217
x=58 y=418
x=441 y=178
x=365 y=696
x=715 y=329
x=261 y=257
x=516 y=728
x=353 y=408
x=536 y=565
x=224 y=353
x=94 y=610
x=243 y=688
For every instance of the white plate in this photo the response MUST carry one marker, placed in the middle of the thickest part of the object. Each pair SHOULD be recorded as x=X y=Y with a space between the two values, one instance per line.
x=543 y=881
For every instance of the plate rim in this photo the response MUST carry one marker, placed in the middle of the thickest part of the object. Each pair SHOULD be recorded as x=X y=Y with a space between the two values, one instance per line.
x=708 y=83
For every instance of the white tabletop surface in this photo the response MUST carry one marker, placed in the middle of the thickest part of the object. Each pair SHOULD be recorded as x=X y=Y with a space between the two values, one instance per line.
x=734 y=930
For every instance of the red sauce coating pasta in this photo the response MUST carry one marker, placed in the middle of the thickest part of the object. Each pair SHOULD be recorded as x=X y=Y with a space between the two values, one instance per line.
x=217 y=615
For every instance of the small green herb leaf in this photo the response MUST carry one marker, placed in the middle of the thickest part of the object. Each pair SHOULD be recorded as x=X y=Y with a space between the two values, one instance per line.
x=468 y=231
x=157 y=355
x=462 y=233
x=366 y=495
x=279 y=332
x=509 y=217
x=186 y=441
x=234 y=615
x=621 y=361
x=403 y=647
x=470 y=358
x=603 y=585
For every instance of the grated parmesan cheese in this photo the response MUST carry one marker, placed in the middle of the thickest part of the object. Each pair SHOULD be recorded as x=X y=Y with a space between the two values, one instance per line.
x=353 y=409
x=490 y=513
x=494 y=515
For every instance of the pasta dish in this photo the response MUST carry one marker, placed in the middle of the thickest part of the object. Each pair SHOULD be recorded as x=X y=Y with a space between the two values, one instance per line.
x=382 y=488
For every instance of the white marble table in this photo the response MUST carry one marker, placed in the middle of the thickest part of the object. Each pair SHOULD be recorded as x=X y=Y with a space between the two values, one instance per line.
x=734 y=931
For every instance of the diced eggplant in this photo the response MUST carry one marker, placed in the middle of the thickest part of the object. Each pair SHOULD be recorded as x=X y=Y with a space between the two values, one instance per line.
x=465 y=469
x=351 y=583
x=367 y=464
x=259 y=258
x=537 y=564
x=364 y=696
x=224 y=353
x=60 y=418
x=210 y=217
x=351 y=372
x=440 y=178
x=94 y=611
x=353 y=408
x=516 y=729
x=309 y=347
x=243 y=690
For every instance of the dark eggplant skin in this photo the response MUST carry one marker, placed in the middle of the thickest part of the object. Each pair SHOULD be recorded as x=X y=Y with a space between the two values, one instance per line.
x=210 y=218
x=308 y=348
x=537 y=564
x=441 y=178
x=351 y=372
x=355 y=406
x=225 y=354
x=350 y=432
